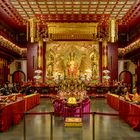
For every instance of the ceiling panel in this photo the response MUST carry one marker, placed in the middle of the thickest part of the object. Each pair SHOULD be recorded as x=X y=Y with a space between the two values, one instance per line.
x=38 y=8
x=19 y=11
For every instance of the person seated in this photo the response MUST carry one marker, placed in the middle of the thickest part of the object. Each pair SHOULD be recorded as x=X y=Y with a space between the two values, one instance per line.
x=7 y=89
x=2 y=90
x=119 y=90
x=126 y=95
x=14 y=88
x=29 y=90
x=136 y=97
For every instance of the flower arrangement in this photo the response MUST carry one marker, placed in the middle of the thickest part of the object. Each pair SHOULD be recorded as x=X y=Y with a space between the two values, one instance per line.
x=38 y=76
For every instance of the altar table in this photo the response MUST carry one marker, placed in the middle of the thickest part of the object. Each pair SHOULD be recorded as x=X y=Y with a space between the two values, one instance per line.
x=128 y=111
x=62 y=109
x=11 y=114
x=31 y=101
x=113 y=101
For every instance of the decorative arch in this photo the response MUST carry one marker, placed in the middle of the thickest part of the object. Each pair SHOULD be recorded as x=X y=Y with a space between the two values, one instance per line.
x=126 y=77
x=18 y=77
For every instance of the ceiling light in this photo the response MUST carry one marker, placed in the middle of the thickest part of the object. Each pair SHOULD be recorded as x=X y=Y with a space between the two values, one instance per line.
x=76 y=2
x=93 y=6
x=103 y=2
x=17 y=6
x=102 y=6
x=45 y=12
x=85 y=6
x=42 y=6
x=91 y=12
x=32 y=2
x=106 y=12
x=59 y=6
x=23 y=2
x=116 y=9
x=20 y=10
x=112 y=2
x=41 y=2
x=52 y=12
x=25 y=6
x=119 y=6
x=51 y=6
x=60 y=9
x=86 y=2
x=36 y=12
x=98 y=12
x=76 y=12
x=14 y=2
x=127 y=6
x=76 y=6
x=59 y=2
x=68 y=12
x=76 y=9
x=83 y=12
x=130 y=2
x=60 y=12
x=67 y=2
x=100 y=9
x=121 y=2
x=68 y=6
x=110 y=6
x=94 y=2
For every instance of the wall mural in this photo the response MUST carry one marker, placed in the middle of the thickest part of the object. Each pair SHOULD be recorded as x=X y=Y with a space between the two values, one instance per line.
x=72 y=59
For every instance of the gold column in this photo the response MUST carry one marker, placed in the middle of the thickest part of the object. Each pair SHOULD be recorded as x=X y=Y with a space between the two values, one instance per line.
x=32 y=29
x=8 y=72
x=27 y=32
x=40 y=54
x=113 y=32
x=104 y=55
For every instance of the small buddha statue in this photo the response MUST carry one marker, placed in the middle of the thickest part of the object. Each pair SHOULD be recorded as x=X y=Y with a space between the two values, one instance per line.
x=126 y=95
x=136 y=97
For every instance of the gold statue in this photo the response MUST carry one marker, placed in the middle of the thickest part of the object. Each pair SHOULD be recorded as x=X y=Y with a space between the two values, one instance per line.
x=93 y=58
x=72 y=67
x=50 y=65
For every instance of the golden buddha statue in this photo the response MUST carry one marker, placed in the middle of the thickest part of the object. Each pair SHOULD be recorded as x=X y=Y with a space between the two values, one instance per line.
x=136 y=97
x=50 y=65
x=72 y=67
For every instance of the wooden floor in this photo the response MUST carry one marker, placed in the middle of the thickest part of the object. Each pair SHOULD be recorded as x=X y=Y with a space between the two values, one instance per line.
x=106 y=128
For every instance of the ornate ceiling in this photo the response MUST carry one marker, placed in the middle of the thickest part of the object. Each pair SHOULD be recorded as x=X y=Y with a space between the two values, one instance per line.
x=15 y=13
x=19 y=11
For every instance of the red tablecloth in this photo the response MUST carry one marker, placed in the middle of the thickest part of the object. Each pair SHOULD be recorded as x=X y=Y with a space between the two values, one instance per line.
x=113 y=101
x=128 y=111
x=31 y=101
x=124 y=109
x=11 y=114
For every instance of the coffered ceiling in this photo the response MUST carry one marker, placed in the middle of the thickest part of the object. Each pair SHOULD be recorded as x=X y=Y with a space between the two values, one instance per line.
x=19 y=11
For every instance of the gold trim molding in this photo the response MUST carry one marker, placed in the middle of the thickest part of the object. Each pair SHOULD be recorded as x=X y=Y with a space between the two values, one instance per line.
x=133 y=46
x=11 y=46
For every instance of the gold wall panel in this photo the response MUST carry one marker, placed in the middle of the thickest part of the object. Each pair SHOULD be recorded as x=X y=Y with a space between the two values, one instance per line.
x=72 y=58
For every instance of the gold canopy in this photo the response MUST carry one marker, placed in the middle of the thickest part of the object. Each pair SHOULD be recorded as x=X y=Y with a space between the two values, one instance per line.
x=72 y=31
